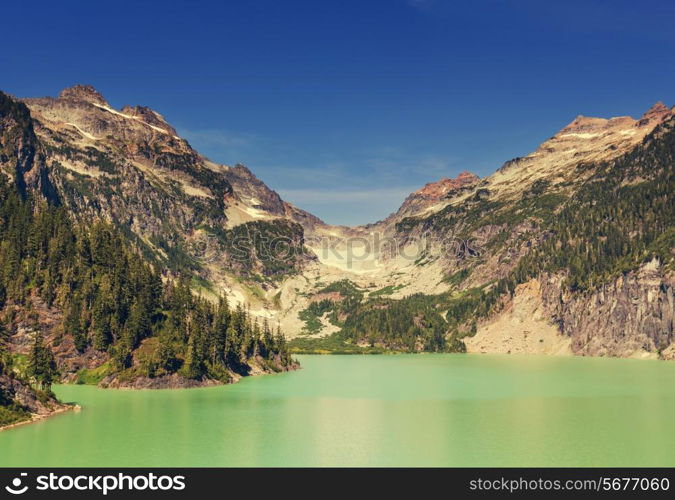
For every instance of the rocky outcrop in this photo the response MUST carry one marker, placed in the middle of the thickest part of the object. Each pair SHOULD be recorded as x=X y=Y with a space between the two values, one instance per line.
x=173 y=381
x=23 y=395
x=251 y=189
x=632 y=316
x=149 y=116
x=253 y=200
x=83 y=93
x=629 y=316
x=658 y=113
x=434 y=192
x=21 y=155
x=20 y=404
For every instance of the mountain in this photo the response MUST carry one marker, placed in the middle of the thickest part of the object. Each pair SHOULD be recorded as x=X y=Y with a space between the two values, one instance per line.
x=565 y=250
x=131 y=167
x=101 y=216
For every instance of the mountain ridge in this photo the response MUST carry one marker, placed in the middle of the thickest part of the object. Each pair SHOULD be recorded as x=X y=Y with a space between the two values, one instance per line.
x=452 y=240
x=582 y=126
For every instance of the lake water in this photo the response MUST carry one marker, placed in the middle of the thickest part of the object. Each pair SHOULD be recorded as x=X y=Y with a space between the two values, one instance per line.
x=399 y=410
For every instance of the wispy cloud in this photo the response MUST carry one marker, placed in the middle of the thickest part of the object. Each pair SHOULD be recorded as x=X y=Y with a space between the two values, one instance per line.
x=387 y=166
x=322 y=196
x=359 y=186
x=396 y=165
x=227 y=143
x=348 y=206
x=320 y=175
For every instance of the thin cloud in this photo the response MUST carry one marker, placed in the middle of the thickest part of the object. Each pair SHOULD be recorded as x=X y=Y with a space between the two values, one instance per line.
x=359 y=187
x=348 y=206
x=225 y=141
x=344 y=196
x=396 y=165
x=323 y=175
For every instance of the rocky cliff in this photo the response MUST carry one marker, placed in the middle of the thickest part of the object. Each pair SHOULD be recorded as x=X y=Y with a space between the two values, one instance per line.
x=631 y=315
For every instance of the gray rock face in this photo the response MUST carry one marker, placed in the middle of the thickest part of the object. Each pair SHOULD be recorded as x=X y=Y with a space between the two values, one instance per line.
x=21 y=154
x=631 y=314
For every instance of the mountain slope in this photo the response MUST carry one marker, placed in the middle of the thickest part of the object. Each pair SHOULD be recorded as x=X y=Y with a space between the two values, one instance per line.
x=130 y=167
x=78 y=271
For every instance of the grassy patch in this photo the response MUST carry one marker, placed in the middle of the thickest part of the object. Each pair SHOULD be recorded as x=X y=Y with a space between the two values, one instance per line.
x=346 y=288
x=329 y=345
x=201 y=283
x=20 y=365
x=92 y=376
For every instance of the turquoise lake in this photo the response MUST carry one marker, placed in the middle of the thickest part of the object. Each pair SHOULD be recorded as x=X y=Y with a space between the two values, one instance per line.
x=388 y=410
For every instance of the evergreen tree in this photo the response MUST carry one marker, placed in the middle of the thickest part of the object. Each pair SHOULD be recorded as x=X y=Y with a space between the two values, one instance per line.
x=41 y=363
x=6 y=360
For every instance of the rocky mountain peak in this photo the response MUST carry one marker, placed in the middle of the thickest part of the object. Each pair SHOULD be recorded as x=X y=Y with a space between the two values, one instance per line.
x=83 y=93
x=657 y=113
x=467 y=177
x=585 y=124
x=441 y=188
x=593 y=125
x=432 y=193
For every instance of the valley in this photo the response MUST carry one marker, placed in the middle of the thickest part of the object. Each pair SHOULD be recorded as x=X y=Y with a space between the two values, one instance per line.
x=141 y=263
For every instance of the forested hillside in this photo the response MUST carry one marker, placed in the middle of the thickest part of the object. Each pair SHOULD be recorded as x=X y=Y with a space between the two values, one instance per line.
x=114 y=307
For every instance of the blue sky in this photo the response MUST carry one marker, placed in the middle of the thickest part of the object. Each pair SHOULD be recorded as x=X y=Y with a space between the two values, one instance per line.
x=344 y=107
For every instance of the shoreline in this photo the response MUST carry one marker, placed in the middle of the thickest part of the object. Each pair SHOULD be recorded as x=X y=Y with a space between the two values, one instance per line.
x=35 y=417
x=175 y=382
x=637 y=356
x=63 y=408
